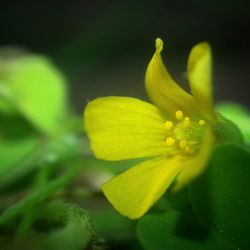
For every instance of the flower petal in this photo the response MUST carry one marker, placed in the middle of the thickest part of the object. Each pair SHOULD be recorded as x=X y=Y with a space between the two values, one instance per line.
x=195 y=166
x=200 y=74
x=162 y=89
x=123 y=128
x=133 y=192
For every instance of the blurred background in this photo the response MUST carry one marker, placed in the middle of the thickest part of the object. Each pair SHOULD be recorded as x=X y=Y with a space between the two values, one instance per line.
x=103 y=47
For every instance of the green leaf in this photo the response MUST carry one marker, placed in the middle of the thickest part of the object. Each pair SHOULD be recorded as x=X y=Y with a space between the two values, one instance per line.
x=77 y=228
x=36 y=88
x=13 y=152
x=220 y=197
x=175 y=231
x=179 y=201
x=237 y=114
x=17 y=143
x=56 y=226
x=227 y=132
x=51 y=152
x=112 y=225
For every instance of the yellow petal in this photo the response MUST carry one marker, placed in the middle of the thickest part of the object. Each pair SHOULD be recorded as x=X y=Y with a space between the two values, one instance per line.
x=196 y=165
x=133 y=192
x=162 y=89
x=200 y=75
x=124 y=128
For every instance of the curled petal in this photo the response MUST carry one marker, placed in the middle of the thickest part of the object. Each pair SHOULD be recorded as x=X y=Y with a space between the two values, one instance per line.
x=122 y=128
x=162 y=89
x=200 y=74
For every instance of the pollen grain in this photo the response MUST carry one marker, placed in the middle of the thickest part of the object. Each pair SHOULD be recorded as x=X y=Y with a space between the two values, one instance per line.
x=202 y=122
x=168 y=125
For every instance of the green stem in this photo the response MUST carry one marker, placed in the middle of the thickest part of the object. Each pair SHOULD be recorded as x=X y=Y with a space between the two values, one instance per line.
x=28 y=218
x=40 y=194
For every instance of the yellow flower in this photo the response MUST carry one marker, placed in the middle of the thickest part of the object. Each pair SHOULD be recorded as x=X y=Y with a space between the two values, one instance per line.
x=176 y=133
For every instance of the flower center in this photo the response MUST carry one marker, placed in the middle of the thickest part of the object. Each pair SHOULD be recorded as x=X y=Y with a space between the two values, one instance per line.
x=184 y=134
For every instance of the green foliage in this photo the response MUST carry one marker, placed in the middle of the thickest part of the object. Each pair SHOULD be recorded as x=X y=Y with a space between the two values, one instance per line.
x=220 y=197
x=32 y=154
x=17 y=143
x=39 y=195
x=40 y=156
x=227 y=132
x=34 y=87
x=21 y=149
x=237 y=114
x=76 y=230
x=56 y=225
x=176 y=231
x=220 y=202
x=112 y=225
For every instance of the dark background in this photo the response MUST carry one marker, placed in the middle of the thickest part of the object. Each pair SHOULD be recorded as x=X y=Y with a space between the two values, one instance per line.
x=103 y=47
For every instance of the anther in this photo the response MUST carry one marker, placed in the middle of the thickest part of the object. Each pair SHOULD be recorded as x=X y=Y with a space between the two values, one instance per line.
x=182 y=144
x=186 y=122
x=189 y=149
x=202 y=122
x=170 y=141
x=168 y=125
x=179 y=115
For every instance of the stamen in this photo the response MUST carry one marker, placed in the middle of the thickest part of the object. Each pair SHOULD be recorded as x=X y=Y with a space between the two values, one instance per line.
x=182 y=144
x=186 y=122
x=170 y=141
x=179 y=115
x=202 y=122
x=168 y=125
x=189 y=149
x=183 y=136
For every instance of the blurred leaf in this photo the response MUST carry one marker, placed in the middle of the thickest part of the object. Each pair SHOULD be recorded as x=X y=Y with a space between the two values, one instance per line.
x=220 y=197
x=179 y=201
x=57 y=225
x=117 y=229
x=237 y=114
x=40 y=194
x=36 y=88
x=14 y=127
x=227 y=132
x=13 y=152
x=112 y=225
x=175 y=231
x=17 y=141
x=77 y=229
x=49 y=152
